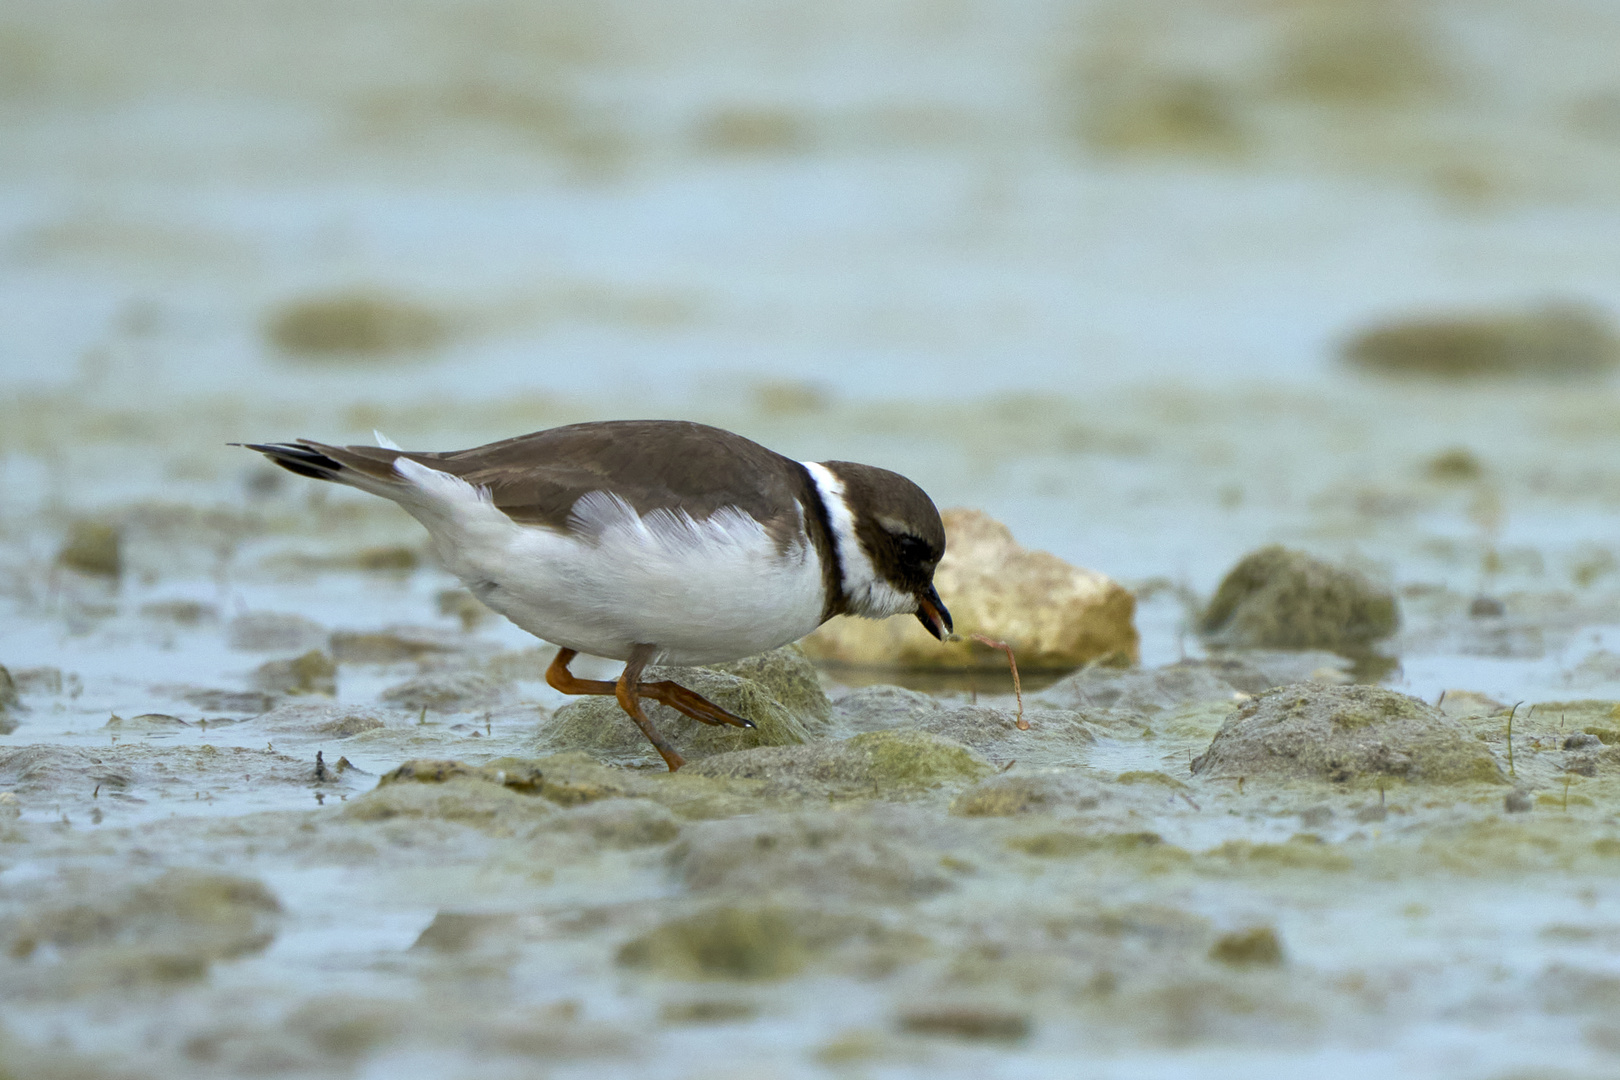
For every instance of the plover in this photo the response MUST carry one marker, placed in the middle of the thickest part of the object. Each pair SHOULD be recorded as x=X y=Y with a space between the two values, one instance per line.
x=657 y=541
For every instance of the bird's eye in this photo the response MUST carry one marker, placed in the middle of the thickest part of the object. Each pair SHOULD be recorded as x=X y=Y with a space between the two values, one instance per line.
x=913 y=550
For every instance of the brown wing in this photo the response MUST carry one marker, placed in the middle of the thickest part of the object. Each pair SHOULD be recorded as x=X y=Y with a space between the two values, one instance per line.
x=651 y=464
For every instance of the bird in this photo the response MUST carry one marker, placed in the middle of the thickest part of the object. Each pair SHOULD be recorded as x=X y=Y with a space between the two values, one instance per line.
x=656 y=541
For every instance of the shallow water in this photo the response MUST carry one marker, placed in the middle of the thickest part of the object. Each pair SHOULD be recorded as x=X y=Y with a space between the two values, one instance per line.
x=856 y=232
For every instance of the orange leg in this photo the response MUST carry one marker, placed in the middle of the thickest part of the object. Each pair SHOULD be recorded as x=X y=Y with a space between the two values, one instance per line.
x=629 y=688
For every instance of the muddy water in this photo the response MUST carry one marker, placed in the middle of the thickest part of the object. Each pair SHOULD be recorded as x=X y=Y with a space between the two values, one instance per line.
x=1055 y=290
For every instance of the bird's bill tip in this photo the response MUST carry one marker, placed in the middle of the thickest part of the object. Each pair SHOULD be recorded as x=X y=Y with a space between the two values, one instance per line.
x=932 y=613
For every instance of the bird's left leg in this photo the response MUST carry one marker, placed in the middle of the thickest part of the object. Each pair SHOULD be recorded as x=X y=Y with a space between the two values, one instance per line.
x=629 y=690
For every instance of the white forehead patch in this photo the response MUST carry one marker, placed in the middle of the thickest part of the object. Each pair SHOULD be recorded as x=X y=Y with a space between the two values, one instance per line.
x=869 y=594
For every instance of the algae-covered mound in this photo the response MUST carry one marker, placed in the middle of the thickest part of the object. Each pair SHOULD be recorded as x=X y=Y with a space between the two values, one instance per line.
x=167 y=930
x=779 y=691
x=356 y=324
x=443 y=691
x=500 y=798
x=877 y=764
x=1055 y=616
x=1558 y=340
x=1283 y=599
x=312 y=673
x=1345 y=734
x=750 y=942
x=1054 y=737
x=93 y=547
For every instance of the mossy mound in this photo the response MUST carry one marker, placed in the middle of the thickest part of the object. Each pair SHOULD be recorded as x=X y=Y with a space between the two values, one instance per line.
x=877 y=764
x=498 y=798
x=93 y=547
x=355 y=325
x=1283 y=599
x=10 y=703
x=754 y=942
x=312 y=673
x=164 y=931
x=1055 y=736
x=1345 y=734
x=1554 y=341
x=779 y=691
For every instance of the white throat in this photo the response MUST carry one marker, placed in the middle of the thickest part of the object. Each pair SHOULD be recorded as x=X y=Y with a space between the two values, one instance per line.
x=868 y=593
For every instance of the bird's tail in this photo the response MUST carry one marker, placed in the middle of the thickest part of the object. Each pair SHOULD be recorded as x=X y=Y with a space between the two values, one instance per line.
x=369 y=468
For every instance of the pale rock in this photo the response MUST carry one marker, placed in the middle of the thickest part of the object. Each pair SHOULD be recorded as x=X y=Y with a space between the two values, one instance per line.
x=1054 y=615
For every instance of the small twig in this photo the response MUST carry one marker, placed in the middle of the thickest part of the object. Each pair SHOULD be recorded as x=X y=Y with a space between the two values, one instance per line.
x=1190 y=802
x=1018 y=689
x=1511 y=711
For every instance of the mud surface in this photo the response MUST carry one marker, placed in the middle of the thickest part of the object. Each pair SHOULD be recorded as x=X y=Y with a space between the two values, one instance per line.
x=1155 y=285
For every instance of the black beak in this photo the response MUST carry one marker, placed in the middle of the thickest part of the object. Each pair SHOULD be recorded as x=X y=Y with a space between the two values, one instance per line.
x=932 y=614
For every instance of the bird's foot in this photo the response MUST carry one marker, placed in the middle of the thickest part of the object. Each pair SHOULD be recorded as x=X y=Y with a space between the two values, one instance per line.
x=692 y=704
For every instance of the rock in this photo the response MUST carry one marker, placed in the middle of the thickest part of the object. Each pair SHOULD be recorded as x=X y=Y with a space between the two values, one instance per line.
x=876 y=764
x=312 y=673
x=445 y=691
x=1055 y=616
x=460 y=931
x=763 y=942
x=93 y=547
x=391 y=646
x=779 y=691
x=10 y=703
x=1345 y=734
x=1555 y=340
x=1278 y=598
x=1255 y=947
x=755 y=941
x=271 y=631
x=148 y=723
x=356 y=324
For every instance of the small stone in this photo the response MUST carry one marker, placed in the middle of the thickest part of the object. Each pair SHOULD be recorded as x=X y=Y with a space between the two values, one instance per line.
x=1055 y=616
x=1278 y=598
x=1255 y=947
x=1582 y=741
x=94 y=548
x=1516 y=802
x=1486 y=607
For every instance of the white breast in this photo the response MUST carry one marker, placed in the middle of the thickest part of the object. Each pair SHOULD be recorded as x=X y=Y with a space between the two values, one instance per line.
x=701 y=591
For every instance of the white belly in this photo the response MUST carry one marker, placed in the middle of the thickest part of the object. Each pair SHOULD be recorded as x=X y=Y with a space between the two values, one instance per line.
x=699 y=591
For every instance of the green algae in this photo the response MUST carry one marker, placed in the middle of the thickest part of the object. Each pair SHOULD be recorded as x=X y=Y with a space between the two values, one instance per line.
x=724 y=942
x=1257 y=946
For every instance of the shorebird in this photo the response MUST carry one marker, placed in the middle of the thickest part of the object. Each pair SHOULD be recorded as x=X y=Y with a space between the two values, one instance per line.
x=657 y=541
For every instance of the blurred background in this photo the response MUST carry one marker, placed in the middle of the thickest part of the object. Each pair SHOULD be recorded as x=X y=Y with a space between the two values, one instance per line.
x=1152 y=281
